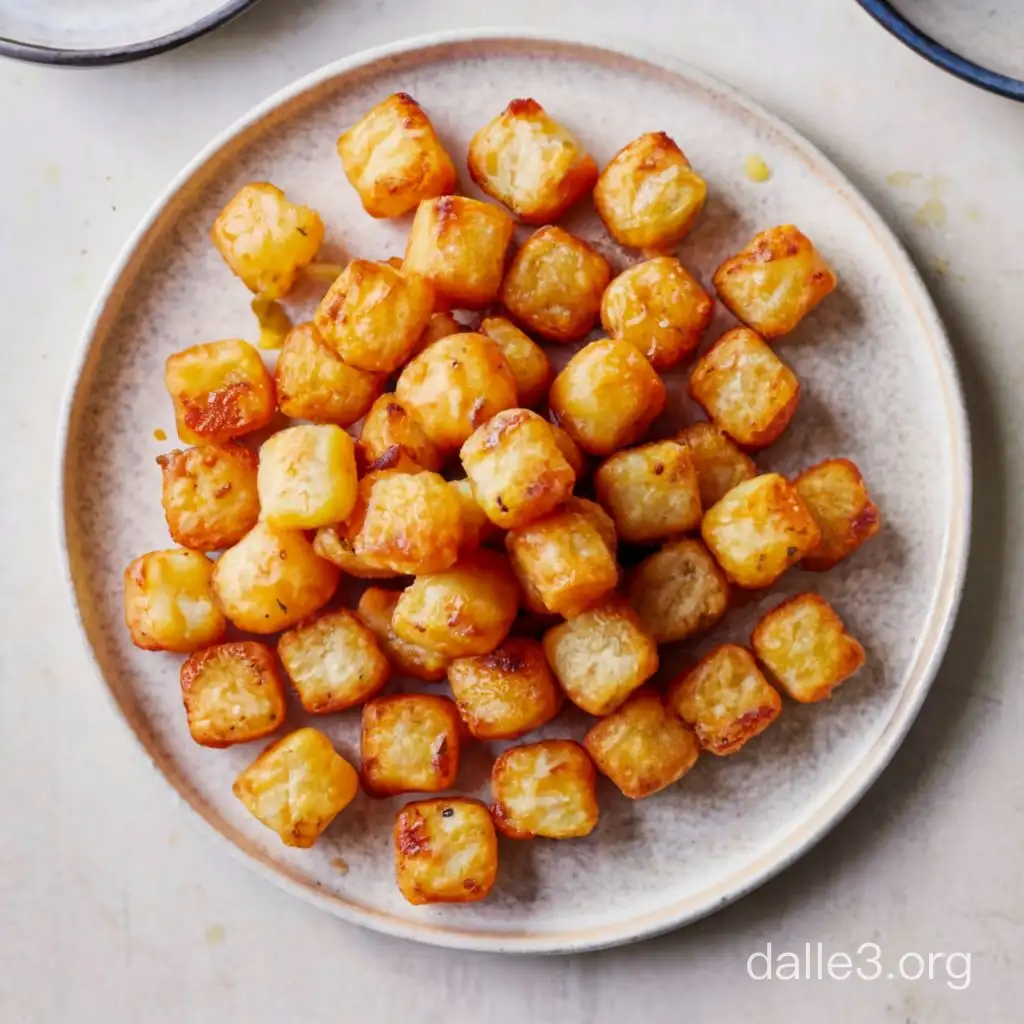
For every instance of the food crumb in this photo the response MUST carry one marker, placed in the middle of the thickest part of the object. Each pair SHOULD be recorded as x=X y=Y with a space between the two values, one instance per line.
x=326 y=272
x=339 y=865
x=273 y=320
x=901 y=179
x=215 y=935
x=159 y=435
x=756 y=169
x=940 y=266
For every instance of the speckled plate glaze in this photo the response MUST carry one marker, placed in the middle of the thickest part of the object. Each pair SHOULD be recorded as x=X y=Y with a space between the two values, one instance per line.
x=880 y=388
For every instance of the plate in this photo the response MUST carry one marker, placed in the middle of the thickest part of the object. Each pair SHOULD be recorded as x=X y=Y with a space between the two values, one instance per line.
x=980 y=43
x=880 y=388
x=92 y=32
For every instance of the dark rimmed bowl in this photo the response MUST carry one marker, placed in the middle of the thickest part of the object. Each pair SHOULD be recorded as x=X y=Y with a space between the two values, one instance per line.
x=942 y=56
x=41 y=54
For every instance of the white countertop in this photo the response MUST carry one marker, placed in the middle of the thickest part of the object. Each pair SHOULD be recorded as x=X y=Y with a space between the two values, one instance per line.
x=113 y=908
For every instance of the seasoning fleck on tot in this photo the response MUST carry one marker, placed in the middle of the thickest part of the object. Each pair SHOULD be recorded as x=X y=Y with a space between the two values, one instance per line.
x=756 y=169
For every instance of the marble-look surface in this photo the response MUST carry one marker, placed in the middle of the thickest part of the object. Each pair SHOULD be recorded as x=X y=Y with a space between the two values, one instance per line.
x=112 y=907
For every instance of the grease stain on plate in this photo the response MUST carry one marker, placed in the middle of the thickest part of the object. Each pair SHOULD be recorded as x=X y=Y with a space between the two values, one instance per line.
x=755 y=168
x=902 y=179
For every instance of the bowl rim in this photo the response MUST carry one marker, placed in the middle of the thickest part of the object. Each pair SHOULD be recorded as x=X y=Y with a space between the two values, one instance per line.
x=927 y=655
x=942 y=56
x=57 y=56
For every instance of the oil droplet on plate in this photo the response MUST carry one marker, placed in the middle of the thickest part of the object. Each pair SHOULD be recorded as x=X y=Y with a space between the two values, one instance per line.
x=159 y=435
x=932 y=212
x=339 y=865
x=901 y=179
x=215 y=935
x=756 y=169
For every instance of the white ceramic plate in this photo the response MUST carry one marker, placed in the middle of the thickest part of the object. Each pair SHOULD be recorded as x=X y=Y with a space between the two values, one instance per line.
x=88 y=32
x=880 y=388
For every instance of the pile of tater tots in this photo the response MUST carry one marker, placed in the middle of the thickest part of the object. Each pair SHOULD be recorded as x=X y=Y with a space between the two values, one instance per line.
x=483 y=497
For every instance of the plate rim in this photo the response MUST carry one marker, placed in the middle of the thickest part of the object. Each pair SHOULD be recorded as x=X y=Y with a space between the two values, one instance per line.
x=927 y=655
x=58 y=56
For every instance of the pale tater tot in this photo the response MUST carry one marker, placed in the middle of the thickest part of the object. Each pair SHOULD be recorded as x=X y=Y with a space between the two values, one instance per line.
x=506 y=693
x=758 y=530
x=805 y=646
x=725 y=699
x=679 y=591
x=446 y=851
x=545 y=789
x=660 y=307
x=459 y=245
x=374 y=315
x=745 y=388
x=528 y=161
x=314 y=383
x=527 y=360
x=409 y=744
x=554 y=285
x=774 y=281
x=516 y=468
x=642 y=747
x=455 y=385
x=232 y=693
x=271 y=579
x=649 y=196
x=210 y=498
x=298 y=786
x=307 y=476
x=601 y=656
x=169 y=601
x=220 y=390
x=394 y=159
x=607 y=396
x=267 y=240
x=466 y=610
